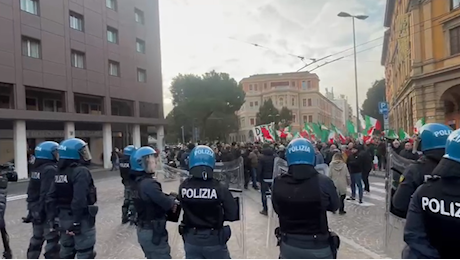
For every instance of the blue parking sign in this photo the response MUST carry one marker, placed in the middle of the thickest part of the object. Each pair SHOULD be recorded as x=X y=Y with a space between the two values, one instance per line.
x=383 y=107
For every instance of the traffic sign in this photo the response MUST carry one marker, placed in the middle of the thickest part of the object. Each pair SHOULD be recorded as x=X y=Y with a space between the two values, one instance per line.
x=383 y=108
x=386 y=121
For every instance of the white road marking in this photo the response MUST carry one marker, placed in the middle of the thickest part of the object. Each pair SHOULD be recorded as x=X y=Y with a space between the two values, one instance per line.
x=378 y=184
x=16 y=197
x=379 y=190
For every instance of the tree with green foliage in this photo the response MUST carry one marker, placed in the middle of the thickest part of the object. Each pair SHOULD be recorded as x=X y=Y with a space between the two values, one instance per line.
x=374 y=95
x=267 y=113
x=206 y=102
x=285 y=116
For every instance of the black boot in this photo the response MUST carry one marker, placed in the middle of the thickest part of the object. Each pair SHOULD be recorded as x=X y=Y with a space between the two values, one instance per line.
x=27 y=219
x=7 y=255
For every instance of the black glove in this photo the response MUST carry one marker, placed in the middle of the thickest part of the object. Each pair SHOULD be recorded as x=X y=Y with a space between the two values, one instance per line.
x=174 y=194
x=75 y=228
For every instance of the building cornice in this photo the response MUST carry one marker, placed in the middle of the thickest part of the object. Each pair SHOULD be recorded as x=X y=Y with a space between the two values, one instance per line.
x=386 y=41
x=389 y=10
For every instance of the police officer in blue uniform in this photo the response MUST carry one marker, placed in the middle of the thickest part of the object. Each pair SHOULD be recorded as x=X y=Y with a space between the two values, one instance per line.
x=128 y=211
x=206 y=203
x=41 y=178
x=152 y=205
x=432 y=140
x=301 y=198
x=73 y=196
x=433 y=220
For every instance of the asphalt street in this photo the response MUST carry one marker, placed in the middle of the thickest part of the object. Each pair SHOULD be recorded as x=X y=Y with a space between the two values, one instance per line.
x=361 y=229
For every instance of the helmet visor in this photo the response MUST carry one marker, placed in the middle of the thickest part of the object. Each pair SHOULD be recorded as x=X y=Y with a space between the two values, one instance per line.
x=149 y=163
x=85 y=153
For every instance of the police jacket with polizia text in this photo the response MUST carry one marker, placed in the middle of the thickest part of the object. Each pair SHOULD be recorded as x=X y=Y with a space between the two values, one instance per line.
x=149 y=200
x=124 y=169
x=73 y=189
x=41 y=178
x=206 y=203
x=433 y=220
x=301 y=198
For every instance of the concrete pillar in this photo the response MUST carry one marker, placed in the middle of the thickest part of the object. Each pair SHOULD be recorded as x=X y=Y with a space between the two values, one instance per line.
x=107 y=145
x=160 y=137
x=20 y=149
x=69 y=130
x=136 y=135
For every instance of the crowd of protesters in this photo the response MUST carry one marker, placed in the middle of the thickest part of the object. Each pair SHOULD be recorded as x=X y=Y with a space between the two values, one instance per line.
x=349 y=164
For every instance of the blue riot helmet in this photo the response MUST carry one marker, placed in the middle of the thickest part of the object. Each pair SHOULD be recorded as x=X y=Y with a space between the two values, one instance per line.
x=201 y=162
x=143 y=160
x=433 y=136
x=453 y=146
x=47 y=150
x=129 y=150
x=74 y=149
x=300 y=151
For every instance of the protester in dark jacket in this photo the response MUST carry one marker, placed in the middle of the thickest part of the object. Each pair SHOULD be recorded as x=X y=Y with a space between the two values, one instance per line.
x=381 y=154
x=368 y=160
x=355 y=164
x=408 y=153
x=265 y=175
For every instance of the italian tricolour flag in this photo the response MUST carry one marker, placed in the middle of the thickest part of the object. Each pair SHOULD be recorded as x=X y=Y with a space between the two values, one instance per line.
x=339 y=133
x=418 y=125
x=371 y=125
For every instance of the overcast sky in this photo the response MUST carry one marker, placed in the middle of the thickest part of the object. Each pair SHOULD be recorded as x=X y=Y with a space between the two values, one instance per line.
x=201 y=35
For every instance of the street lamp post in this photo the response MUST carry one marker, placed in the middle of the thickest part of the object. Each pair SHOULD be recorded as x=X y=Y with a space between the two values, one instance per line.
x=183 y=135
x=360 y=17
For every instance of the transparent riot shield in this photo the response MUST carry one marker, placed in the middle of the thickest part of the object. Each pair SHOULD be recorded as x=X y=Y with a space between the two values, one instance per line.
x=279 y=167
x=394 y=225
x=232 y=175
x=322 y=169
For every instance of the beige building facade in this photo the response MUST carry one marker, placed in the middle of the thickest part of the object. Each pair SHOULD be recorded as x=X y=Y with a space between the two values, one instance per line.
x=421 y=55
x=297 y=91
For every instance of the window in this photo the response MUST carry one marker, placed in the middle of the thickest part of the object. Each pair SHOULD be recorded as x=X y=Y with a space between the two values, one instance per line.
x=250 y=87
x=52 y=105
x=293 y=118
x=5 y=101
x=141 y=75
x=304 y=102
x=304 y=119
x=140 y=46
x=30 y=6
x=112 y=4
x=310 y=118
x=304 y=85
x=76 y=21
x=251 y=104
x=139 y=16
x=309 y=102
x=454 y=35
x=78 y=59
x=293 y=102
x=256 y=103
x=281 y=102
x=31 y=47
x=454 y=4
x=112 y=35
x=114 y=68
x=252 y=121
x=31 y=103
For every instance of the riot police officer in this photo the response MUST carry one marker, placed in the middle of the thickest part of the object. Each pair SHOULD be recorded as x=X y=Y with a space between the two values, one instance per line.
x=432 y=140
x=41 y=178
x=128 y=212
x=73 y=195
x=301 y=198
x=152 y=205
x=207 y=203
x=433 y=219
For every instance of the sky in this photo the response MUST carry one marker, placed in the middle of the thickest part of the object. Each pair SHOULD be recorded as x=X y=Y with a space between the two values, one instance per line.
x=198 y=36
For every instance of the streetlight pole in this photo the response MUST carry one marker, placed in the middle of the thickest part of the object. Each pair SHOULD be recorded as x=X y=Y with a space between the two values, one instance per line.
x=360 y=17
x=183 y=135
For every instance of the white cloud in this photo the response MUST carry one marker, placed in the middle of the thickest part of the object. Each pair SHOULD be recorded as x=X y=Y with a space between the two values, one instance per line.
x=201 y=35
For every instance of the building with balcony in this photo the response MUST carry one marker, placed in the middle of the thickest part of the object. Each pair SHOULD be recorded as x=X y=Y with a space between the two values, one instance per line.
x=421 y=55
x=77 y=68
x=298 y=91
